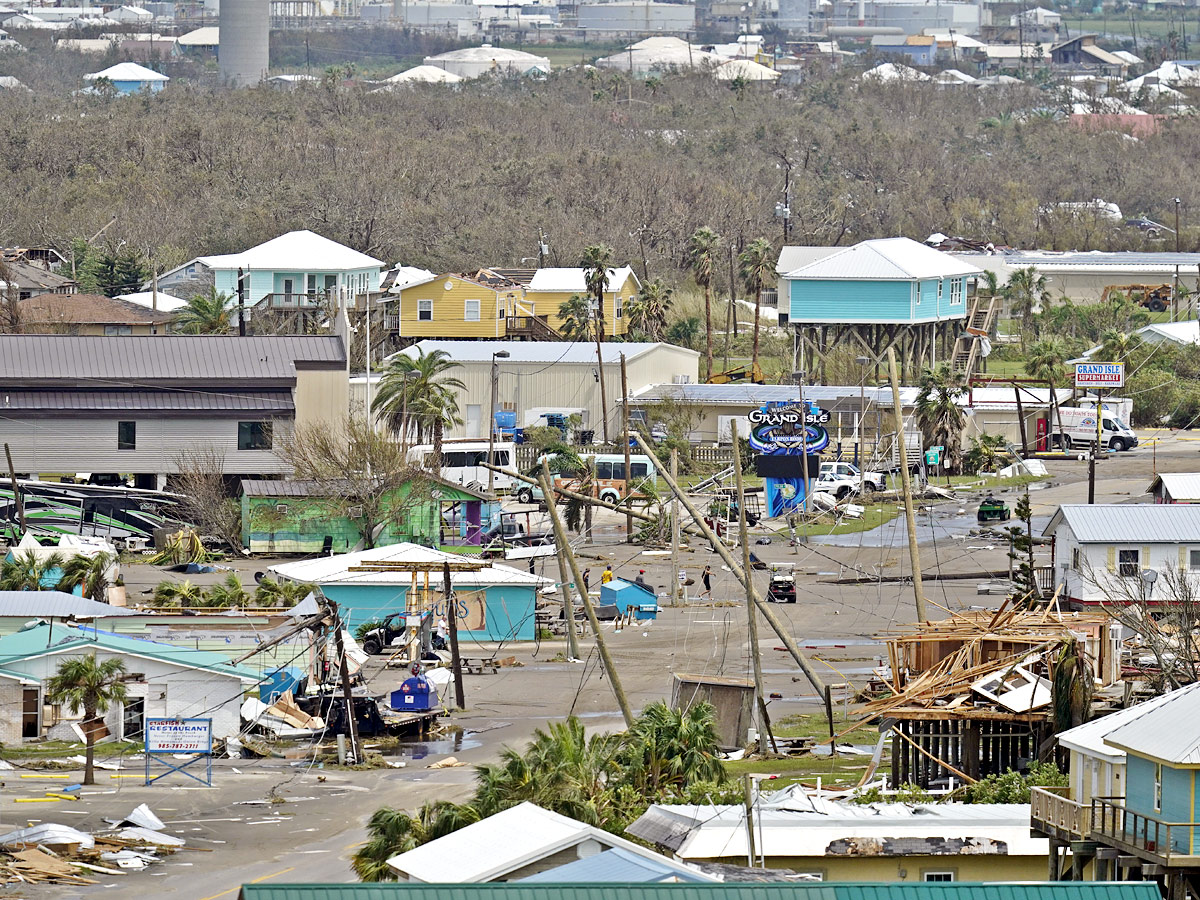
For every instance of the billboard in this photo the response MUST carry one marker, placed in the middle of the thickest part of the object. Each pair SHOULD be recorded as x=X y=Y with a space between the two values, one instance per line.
x=788 y=429
x=1099 y=375
x=179 y=735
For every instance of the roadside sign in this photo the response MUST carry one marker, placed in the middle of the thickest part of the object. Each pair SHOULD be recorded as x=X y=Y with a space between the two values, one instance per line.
x=1099 y=375
x=933 y=456
x=189 y=738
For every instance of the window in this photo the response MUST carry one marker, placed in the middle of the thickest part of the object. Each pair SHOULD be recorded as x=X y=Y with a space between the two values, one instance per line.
x=254 y=435
x=312 y=284
x=1077 y=559
x=1158 y=787
x=127 y=435
x=111 y=330
x=604 y=470
x=937 y=875
x=501 y=312
x=618 y=471
x=639 y=470
x=956 y=291
x=1194 y=560
x=471 y=310
x=918 y=289
x=424 y=310
x=617 y=303
x=940 y=283
x=1127 y=563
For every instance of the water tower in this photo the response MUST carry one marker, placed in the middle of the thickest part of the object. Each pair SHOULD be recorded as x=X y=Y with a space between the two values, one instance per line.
x=245 y=41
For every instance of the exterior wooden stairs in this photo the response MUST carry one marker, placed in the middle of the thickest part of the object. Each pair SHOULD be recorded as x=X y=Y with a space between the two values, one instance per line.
x=968 y=349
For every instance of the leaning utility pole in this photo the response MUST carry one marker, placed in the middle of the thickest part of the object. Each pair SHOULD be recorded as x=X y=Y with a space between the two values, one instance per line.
x=625 y=441
x=568 y=588
x=914 y=552
x=347 y=694
x=18 y=499
x=452 y=623
x=744 y=577
x=560 y=537
x=760 y=702
x=675 y=581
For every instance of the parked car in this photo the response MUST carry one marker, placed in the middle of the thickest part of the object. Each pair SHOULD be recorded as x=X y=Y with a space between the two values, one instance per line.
x=871 y=481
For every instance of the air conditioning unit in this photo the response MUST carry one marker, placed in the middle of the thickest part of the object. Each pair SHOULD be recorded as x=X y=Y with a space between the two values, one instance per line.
x=508 y=406
x=354 y=512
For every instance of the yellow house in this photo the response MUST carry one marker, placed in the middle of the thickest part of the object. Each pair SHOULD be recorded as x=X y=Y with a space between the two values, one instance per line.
x=495 y=304
x=550 y=288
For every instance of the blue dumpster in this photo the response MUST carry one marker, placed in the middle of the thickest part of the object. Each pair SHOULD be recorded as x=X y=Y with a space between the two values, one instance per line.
x=280 y=681
x=416 y=694
x=623 y=594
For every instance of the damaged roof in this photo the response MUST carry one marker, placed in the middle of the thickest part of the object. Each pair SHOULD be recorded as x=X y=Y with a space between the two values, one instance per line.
x=836 y=829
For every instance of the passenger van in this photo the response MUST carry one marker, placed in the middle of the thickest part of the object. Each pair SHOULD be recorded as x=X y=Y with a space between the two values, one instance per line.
x=611 y=483
x=461 y=462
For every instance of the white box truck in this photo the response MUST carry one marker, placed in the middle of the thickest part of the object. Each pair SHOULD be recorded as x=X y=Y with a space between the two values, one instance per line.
x=1079 y=430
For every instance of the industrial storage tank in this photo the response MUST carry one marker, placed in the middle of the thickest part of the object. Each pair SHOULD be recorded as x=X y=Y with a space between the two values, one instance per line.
x=245 y=41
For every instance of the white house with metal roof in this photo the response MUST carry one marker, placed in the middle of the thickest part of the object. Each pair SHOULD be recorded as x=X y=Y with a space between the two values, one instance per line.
x=879 y=842
x=518 y=843
x=1124 y=552
x=1175 y=487
x=129 y=78
x=551 y=376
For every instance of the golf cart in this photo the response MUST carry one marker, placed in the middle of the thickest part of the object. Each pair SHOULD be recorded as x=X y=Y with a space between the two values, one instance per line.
x=993 y=510
x=782 y=587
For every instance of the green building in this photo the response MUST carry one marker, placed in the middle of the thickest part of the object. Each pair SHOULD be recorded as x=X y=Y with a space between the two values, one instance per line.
x=299 y=517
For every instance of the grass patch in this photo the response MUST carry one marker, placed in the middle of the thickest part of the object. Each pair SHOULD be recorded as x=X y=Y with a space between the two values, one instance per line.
x=55 y=749
x=874 y=516
x=841 y=770
x=989 y=482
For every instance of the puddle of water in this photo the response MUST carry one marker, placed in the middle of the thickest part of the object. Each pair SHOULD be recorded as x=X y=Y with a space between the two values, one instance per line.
x=454 y=743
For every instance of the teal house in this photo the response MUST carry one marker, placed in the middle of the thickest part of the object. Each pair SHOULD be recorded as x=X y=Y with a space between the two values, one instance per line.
x=494 y=602
x=890 y=281
x=1159 y=818
x=296 y=270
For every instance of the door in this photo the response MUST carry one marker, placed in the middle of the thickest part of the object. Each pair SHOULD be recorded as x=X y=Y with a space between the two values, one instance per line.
x=30 y=709
x=474 y=421
x=289 y=288
x=133 y=718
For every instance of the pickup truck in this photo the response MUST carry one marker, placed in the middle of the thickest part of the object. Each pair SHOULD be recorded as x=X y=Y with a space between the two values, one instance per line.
x=514 y=534
x=840 y=486
x=871 y=481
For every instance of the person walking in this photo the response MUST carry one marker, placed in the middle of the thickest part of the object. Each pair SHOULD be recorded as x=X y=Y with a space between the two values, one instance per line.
x=706 y=577
x=587 y=579
x=607 y=575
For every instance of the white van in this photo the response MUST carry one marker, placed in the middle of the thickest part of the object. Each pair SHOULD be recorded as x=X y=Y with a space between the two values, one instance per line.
x=461 y=460
x=611 y=483
x=1079 y=430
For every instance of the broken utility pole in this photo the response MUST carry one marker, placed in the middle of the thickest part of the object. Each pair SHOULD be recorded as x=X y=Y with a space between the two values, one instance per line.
x=17 y=498
x=568 y=588
x=347 y=694
x=560 y=537
x=625 y=441
x=744 y=577
x=914 y=552
x=452 y=624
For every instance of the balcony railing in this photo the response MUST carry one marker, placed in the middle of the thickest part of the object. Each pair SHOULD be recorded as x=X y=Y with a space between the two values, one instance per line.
x=290 y=301
x=1052 y=811
x=1149 y=837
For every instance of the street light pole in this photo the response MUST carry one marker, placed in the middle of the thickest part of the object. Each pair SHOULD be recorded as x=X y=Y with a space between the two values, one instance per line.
x=499 y=354
x=1175 y=292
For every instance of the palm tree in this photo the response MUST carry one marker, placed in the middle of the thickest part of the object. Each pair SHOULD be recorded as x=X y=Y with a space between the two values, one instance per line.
x=281 y=594
x=576 y=315
x=416 y=393
x=88 y=573
x=227 y=593
x=178 y=593
x=986 y=454
x=25 y=572
x=208 y=312
x=940 y=416
x=82 y=682
x=685 y=332
x=701 y=253
x=669 y=749
x=597 y=262
x=1117 y=346
x=1047 y=362
x=393 y=831
x=648 y=312
x=1027 y=290
x=756 y=266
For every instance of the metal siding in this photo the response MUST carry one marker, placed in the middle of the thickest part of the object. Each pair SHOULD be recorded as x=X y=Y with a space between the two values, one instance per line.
x=90 y=445
x=129 y=402
x=837 y=302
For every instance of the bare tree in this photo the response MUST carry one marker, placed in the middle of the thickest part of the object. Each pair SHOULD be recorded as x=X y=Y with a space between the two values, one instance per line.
x=205 y=497
x=10 y=307
x=355 y=472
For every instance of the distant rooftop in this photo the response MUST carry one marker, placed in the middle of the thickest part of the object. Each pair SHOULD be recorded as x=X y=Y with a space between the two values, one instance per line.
x=549 y=352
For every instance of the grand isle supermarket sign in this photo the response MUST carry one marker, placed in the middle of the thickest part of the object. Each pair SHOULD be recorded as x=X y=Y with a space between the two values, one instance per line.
x=1099 y=375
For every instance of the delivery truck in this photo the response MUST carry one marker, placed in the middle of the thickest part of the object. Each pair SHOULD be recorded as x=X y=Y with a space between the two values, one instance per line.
x=1078 y=429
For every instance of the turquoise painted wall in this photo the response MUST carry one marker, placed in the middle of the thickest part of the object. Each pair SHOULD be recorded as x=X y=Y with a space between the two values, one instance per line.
x=1178 y=798
x=948 y=310
x=263 y=282
x=850 y=301
x=510 y=608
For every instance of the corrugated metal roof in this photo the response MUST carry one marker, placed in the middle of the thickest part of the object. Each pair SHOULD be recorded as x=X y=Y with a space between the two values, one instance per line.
x=792 y=258
x=561 y=280
x=335 y=569
x=1180 y=485
x=1052 y=260
x=52 y=639
x=1129 y=523
x=563 y=352
x=962 y=890
x=885 y=259
x=1089 y=737
x=54 y=358
x=621 y=866
x=55 y=605
x=146 y=401
x=1166 y=731
x=296 y=251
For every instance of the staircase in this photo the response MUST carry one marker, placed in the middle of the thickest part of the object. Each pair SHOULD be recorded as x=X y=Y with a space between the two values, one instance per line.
x=530 y=328
x=967 y=349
